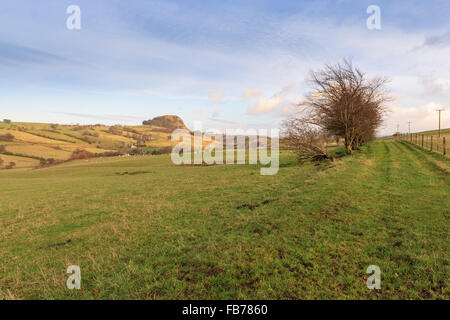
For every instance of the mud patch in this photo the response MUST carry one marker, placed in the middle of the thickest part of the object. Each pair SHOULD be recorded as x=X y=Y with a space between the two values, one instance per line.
x=254 y=206
x=61 y=244
x=132 y=173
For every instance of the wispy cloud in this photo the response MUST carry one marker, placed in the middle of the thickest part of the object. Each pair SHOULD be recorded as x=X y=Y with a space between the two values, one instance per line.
x=14 y=54
x=267 y=105
x=442 y=40
x=114 y=117
x=250 y=94
x=199 y=112
x=215 y=96
x=222 y=121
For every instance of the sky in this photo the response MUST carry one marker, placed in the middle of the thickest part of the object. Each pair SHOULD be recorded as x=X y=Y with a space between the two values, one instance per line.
x=228 y=63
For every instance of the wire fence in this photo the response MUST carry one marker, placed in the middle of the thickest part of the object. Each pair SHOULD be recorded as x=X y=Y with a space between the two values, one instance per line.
x=432 y=143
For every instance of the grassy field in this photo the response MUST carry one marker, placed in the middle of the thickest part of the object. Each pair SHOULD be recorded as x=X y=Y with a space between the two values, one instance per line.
x=142 y=228
x=444 y=132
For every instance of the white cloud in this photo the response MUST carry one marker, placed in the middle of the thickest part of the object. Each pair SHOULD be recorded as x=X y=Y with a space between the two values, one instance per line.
x=215 y=96
x=279 y=100
x=198 y=111
x=265 y=105
x=424 y=117
x=250 y=94
x=432 y=87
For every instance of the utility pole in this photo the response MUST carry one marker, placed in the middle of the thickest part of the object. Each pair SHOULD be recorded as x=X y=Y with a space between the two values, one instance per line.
x=398 y=126
x=439 y=110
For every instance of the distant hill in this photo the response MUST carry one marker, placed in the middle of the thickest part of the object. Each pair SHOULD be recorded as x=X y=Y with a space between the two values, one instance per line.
x=40 y=144
x=170 y=122
x=31 y=145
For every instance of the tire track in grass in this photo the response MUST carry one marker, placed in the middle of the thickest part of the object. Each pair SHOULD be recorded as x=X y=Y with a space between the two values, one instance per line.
x=386 y=226
x=334 y=222
x=433 y=164
x=353 y=221
x=409 y=224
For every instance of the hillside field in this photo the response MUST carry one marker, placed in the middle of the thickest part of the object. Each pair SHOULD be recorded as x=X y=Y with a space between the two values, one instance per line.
x=33 y=142
x=143 y=228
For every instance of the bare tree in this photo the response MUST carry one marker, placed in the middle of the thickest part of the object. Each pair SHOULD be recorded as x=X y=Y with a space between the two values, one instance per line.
x=345 y=103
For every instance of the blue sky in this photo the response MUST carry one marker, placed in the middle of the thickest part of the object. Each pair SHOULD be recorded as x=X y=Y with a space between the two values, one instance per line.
x=226 y=63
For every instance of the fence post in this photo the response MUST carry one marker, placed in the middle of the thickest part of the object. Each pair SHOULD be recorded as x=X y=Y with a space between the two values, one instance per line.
x=431 y=146
x=422 y=141
x=444 y=150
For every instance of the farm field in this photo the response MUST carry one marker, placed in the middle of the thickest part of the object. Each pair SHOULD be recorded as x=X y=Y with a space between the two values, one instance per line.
x=444 y=132
x=143 y=228
x=37 y=143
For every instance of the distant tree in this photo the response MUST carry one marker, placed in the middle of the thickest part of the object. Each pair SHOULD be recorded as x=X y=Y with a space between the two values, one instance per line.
x=6 y=121
x=6 y=137
x=47 y=162
x=77 y=128
x=117 y=130
x=11 y=165
x=163 y=150
x=81 y=154
x=54 y=126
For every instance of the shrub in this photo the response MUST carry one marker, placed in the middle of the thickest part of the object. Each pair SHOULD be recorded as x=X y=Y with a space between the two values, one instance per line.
x=117 y=130
x=6 y=137
x=11 y=165
x=47 y=162
x=164 y=150
x=81 y=154
x=77 y=128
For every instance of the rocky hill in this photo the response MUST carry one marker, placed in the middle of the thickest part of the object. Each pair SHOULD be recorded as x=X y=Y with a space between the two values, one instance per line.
x=169 y=121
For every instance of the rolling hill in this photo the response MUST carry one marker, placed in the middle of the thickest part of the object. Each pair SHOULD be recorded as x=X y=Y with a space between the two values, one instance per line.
x=33 y=144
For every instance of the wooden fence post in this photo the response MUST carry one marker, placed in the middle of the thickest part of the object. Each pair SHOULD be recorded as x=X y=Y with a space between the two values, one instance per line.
x=422 y=141
x=431 y=146
x=444 y=150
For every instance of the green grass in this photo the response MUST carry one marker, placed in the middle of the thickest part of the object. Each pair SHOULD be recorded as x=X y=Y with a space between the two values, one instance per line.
x=435 y=132
x=142 y=228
